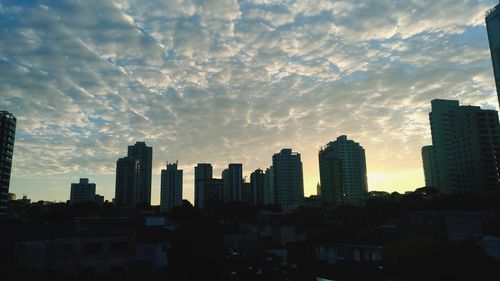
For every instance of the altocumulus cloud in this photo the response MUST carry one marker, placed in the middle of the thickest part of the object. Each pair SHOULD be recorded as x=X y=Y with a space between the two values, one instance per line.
x=231 y=81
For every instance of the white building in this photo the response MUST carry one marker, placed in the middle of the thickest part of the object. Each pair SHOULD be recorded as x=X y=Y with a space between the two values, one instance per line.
x=170 y=187
x=466 y=142
x=342 y=169
x=82 y=192
x=288 y=179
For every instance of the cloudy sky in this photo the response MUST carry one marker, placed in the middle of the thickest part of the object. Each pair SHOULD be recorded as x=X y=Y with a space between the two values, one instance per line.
x=225 y=81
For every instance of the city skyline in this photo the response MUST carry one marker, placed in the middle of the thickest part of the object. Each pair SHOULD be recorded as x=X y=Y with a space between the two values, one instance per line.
x=232 y=84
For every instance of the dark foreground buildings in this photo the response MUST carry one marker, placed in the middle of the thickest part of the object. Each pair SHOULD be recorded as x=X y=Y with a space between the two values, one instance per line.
x=7 y=136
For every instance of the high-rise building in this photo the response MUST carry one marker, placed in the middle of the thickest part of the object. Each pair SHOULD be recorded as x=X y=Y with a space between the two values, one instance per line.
x=288 y=180
x=257 y=182
x=342 y=170
x=82 y=191
x=466 y=141
x=210 y=193
x=247 y=193
x=144 y=154
x=429 y=164
x=127 y=183
x=233 y=182
x=7 y=136
x=493 y=29
x=269 y=186
x=170 y=187
x=203 y=171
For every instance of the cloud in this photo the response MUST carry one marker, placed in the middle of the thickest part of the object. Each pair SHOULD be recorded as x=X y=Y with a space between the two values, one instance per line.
x=231 y=81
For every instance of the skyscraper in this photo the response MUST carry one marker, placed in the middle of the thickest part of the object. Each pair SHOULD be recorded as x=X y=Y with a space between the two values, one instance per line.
x=342 y=170
x=429 y=164
x=170 y=187
x=257 y=182
x=203 y=171
x=144 y=154
x=233 y=182
x=269 y=186
x=127 y=182
x=247 y=193
x=493 y=28
x=466 y=141
x=82 y=191
x=288 y=179
x=7 y=136
x=210 y=193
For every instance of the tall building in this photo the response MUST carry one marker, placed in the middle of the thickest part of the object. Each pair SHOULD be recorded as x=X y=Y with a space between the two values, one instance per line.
x=466 y=141
x=127 y=183
x=269 y=186
x=170 y=187
x=493 y=29
x=7 y=136
x=203 y=171
x=288 y=179
x=257 y=182
x=429 y=165
x=233 y=182
x=82 y=191
x=144 y=154
x=247 y=193
x=210 y=193
x=342 y=170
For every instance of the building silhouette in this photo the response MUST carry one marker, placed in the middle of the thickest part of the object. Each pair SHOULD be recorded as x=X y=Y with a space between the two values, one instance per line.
x=269 y=186
x=202 y=171
x=7 y=136
x=247 y=193
x=144 y=154
x=233 y=182
x=466 y=142
x=257 y=183
x=342 y=169
x=210 y=193
x=429 y=165
x=170 y=187
x=493 y=29
x=288 y=179
x=83 y=191
x=127 y=183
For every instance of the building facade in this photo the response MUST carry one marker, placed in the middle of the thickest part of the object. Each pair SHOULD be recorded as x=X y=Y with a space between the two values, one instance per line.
x=7 y=136
x=144 y=154
x=269 y=186
x=127 y=183
x=342 y=169
x=493 y=29
x=202 y=172
x=428 y=161
x=288 y=180
x=233 y=182
x=170 y=187
x=83 y=191
x=210 y=193
x=257 y=182
x=466 y=141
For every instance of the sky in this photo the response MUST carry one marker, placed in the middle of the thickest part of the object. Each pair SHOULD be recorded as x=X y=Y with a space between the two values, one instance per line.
x=227 y=81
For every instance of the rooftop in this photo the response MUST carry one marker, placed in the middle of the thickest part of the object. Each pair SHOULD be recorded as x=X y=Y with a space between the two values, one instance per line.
x=492 y=10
